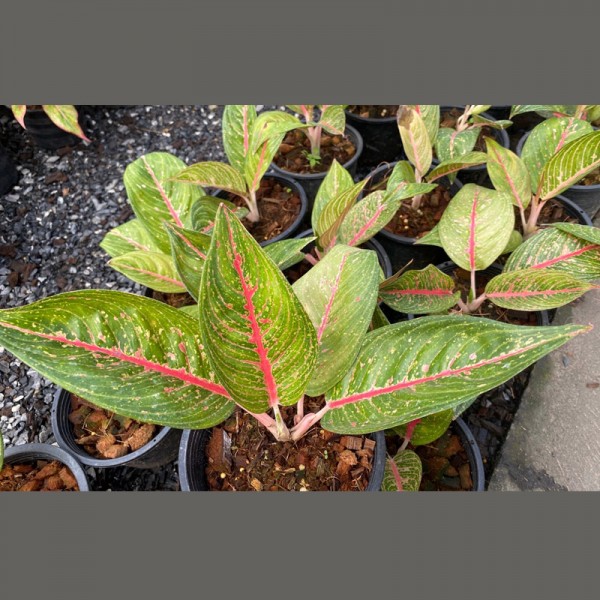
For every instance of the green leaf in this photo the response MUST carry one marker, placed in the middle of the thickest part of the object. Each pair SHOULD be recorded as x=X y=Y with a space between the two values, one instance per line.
x=570 y=164
x=544 y=109
x=415 y=138
x=337 y=206
x=448 y=167
x=583 y=232
x=19 y=111
x=152 y=269
x=238 y=120
x=557 y=250
x=191 y=310
x=432 y=238
x=339 y=295
x=476 y=226
x=509 y=174
x=514 y=241
x=402 y=473
x=593 y=113
x=287 y=253
x=452 y=144
x=128 y=237
x=546 y=140
x=333 y=119
x=492 y=123
x=403 y=172
x=430 y=113
x=477 y=109
x=336 y=181
x=379 y=319
x=420 y=292
x=429 y=428
x=417 y=368
x=132 y=355
x=188 y=251
x=155 y=199
x=65 y=117
x=258 y=338
x=204 y=212
x=534 y=289
x=214 y=175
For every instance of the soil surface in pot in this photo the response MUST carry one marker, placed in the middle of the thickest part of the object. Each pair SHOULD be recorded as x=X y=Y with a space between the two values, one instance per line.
x=449 y=118
x=37 y=476
x=446 y=466
x=553 y=212
x=174 y=300
x=243 y=456
x=295 y=148
x=105 y=435
x=278 y=205
x=592 y=178
x=373 y=111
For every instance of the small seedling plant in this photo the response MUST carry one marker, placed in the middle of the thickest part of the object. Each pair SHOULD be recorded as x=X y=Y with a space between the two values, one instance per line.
x=64 y=116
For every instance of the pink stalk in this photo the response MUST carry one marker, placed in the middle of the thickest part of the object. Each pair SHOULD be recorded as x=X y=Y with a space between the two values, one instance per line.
x=416 y=201
x=299 y=430
x=410 y=429
x=253 y=215
x=310 y=259
x=300 y=414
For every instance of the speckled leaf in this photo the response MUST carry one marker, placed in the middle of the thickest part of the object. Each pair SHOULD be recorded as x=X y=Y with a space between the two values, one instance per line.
x=476 y=226
x=420 y=292
x=152 y=269
x=593 y=112
x=402 y=473
x=451 y=144
x=339 y=295
x=432 y=238
x=448 y=167
x=19 y=111
x=237 y=125
x=379 y=319
x=337 y=206
x=415 y=138
x=546 y=140
x=191 y=310
x=477 y=109
x=155 y=199
x=132 y=355
x=420 y=367
x=333 y=119
x=535 y=289
x=336 y=181
x=429 y=428
x=188 y=252
x=65 y=117
x=287 y=253
x=403 y=172
x=514 y=241
x=575 y=160
x=128 y=237
x=430 y=113
x=557 y=250
x=204 y=212
x=545 y=109
x=214 y=175
x=480 y=121
x=508 y=173
x=258 y=338
x=583 y=232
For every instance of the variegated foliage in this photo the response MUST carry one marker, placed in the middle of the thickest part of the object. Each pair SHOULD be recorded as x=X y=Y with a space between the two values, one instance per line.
x=64 y=116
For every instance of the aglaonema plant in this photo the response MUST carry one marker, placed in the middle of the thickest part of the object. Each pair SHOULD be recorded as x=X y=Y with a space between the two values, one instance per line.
x=548 y=270
x=261 y=344
x=585 y=112
x=558 y=153
x=64 y=116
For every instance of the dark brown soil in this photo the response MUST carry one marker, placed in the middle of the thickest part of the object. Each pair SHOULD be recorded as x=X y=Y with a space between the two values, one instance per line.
x=292 y=152
x=553 y=212
x=174 y=300
x=104 y=434
x=592 y=178
x=243 y=456
x=448 y=118
x=373 y=111
x=278 y=205
x=37 y=476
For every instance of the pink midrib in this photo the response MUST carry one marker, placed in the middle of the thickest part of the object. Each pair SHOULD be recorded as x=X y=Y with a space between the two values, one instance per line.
x=246 y=132
x=329 y=306
x=396 y=474
x=366 y=226
x=566 y=256
x=256 y=338
x=509 y=179
x=261 y=160
x=190 y=245
x=136 y=360
x=163 y=194
x=418 y=292
x=526 y=294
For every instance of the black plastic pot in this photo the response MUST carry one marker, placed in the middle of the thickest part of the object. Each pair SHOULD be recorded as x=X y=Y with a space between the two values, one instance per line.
x=500 y=112
x=30 y=452
x=586 y=197
x=312 y=181
x=45 y=133
x=400 y=249
x=8 y=172
x=192 y=461
x=472 y=449
x=372 y=244
x=300 y=221
x=478 y=174
x=159 y=451
x=381 y=139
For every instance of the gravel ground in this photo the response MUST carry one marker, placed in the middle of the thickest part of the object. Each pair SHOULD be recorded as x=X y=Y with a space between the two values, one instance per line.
x=51 y=225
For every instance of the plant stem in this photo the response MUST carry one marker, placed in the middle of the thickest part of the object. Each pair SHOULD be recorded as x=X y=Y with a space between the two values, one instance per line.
x=314 y=135
x=308 y=257
x=410 y=429
x=534 y=215
x=282 y=432
x=473 y=286
x=416 y=201
x=299 y=430
x=253 y=215
x=461 y=123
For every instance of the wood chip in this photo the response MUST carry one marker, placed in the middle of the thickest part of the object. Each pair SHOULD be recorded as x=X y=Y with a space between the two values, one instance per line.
x=369 y=444
x=351 y=442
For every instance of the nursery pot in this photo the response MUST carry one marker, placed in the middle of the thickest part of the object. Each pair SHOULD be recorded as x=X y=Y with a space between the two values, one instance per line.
x=292 y=230
x=312 y=181
x=192 y=461
x=30 y=452
x=381 y=139
x=401 y=249
x=45 y=133
x=159 y=451
x=586 y=197
x=474 y=454
x=8 y=172
x=478 y=173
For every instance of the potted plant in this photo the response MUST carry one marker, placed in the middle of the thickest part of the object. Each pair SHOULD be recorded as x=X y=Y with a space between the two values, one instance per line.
x=261 y=345
x=311 y=143
x=51 y=126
